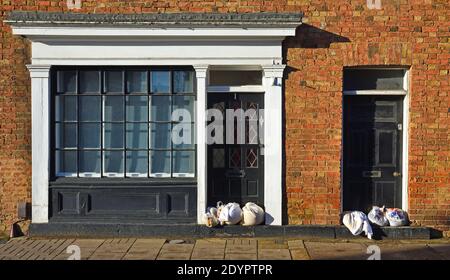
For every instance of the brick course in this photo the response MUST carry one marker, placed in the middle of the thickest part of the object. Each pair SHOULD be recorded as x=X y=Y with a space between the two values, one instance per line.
x=336 y=34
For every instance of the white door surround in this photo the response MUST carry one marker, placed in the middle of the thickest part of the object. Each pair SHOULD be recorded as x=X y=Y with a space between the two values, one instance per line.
x=405 y=129
x=201 y=47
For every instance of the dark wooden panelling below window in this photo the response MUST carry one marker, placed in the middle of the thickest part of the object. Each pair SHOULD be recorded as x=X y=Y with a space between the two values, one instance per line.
x=136 y=203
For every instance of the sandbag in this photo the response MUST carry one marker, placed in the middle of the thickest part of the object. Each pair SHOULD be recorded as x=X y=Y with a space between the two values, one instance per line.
x=252 y=214
x=377 y=216
x=230 y=214
x=357 y=223
x=397 y=217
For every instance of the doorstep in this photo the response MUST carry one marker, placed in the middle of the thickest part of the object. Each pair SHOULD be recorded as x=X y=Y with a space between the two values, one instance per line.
x=98 y=230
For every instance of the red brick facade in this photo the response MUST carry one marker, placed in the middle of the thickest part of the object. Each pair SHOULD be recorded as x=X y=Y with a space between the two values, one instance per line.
x=336 y=34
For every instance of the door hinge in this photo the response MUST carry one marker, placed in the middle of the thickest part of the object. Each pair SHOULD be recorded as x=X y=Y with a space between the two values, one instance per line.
x=400 y=126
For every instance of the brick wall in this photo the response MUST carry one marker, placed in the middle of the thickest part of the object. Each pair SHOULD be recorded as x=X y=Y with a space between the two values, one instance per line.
x=335 y=34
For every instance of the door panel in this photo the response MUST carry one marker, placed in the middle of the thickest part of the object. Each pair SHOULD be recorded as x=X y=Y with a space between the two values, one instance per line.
x=235 y=168
x=372 y=151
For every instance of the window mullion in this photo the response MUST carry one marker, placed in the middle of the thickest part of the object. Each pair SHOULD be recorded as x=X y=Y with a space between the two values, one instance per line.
x=77 y=91
x=124 y=151
x=102 y=126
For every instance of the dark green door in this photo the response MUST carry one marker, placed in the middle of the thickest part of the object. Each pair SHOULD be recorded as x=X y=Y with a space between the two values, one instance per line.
x=236 y=168
x=372 y=151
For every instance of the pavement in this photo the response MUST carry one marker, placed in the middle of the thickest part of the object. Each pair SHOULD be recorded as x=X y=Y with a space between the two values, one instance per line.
x=223 y=249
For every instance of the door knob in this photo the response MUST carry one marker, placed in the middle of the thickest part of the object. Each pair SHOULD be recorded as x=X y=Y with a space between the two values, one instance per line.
x=396 y=174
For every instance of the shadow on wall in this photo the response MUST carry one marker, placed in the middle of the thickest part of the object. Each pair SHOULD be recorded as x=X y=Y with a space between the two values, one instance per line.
x=306 y=37
x=311 y=37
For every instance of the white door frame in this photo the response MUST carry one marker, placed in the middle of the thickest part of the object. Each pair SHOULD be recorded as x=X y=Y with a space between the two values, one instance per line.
x=404 y=131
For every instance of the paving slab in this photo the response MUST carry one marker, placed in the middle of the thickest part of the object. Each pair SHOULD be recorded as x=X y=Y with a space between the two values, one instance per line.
x=241 y=246
x=336 y=251
x=442 y=249
x=296 y=244
x=144 y=249
x=300 y=254
x=208 y=254
x=60 y=253
x=408 y=252
x=174 y=256
x=242 y=256
x=210 y=243
x=175 y=252
x=273 y=244
x=274 y=254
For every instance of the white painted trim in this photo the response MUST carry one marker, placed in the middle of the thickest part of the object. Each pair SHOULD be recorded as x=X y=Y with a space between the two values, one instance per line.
x=256 y=89
x=273 y=146
x=40 y=136
x=44 y=32
x=201 y=72
x=374 y=92
x=172 y=61
x=405 y=143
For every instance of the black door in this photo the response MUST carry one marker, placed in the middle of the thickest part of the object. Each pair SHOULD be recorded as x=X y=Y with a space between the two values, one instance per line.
x=235 y=168
x=372 y=151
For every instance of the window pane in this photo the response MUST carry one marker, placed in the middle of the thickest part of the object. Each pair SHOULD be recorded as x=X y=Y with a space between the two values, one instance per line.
x=89 y=135
x=183 y=81
x=137 y=81
x=184 y=102
x=66 y=163
x=114 y=108
x=137 y=163
x=113 y=82
x=137 y=108
x=113 y=163
x=160 y=81
x=137 y=135
x=66 y=135
x=89 y=108
x=160 y=109
x=160 y=136
x=160 y=163
x=113 y=137
x=66 y=108
x=373 y=79
x=67 y=81
x=89 y=163
x=183 y=136
x=89 y=81
x=183 y=163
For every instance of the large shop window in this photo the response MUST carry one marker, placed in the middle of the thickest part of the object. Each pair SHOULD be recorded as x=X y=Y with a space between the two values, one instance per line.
x=118 y=122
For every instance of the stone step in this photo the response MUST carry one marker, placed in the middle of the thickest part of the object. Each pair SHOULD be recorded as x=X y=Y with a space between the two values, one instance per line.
x=199 y=231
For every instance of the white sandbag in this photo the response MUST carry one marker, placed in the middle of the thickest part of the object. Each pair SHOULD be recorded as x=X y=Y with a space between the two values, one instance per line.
x=357 y=223
x=397 y=217
x=230 y=214
x=376 y=216
x=252 y=214
x=210 y=217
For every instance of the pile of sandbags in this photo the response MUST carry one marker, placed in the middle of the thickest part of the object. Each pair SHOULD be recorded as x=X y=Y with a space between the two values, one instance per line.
x=232 y=214
x=357 y=222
